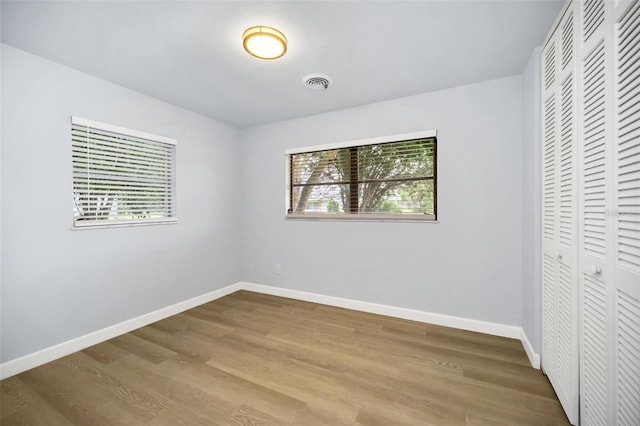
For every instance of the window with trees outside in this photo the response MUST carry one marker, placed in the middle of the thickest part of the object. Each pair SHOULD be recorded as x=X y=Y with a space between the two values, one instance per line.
x=121 y=176
x=391 y=177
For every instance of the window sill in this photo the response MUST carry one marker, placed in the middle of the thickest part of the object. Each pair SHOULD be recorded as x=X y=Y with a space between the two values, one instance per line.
x=363 y=217
x=121 y=224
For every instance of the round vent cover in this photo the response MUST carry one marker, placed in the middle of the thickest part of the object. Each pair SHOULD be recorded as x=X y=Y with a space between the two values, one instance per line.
x=317 y=81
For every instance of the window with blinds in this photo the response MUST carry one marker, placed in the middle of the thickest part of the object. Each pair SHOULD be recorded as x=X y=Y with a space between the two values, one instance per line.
x=382 y=178
x=121 y=176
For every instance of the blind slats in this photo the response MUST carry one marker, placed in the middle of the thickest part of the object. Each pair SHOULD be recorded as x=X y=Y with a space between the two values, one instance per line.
x=120 y=157
x=93 y=169
x=122 y=150
x=395 y=178
x=122 y=177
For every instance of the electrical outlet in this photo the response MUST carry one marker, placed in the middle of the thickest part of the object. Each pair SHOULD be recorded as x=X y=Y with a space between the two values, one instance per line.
x=278 y=268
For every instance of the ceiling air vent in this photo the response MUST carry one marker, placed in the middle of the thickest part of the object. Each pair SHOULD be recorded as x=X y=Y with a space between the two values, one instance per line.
x=317 y=81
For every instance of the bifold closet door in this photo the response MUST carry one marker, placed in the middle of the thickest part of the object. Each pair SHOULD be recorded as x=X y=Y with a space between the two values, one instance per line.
x=610 y=212
x=595 y=103
x=549 y=219
x=626 y=208
x=559 y=257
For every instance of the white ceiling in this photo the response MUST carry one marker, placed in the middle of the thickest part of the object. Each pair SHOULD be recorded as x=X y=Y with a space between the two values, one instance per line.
x=190 y=53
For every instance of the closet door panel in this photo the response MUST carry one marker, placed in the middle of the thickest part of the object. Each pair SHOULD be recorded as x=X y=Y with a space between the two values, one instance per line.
x=567 y=218
x=628 y=358
x=549 y=317
x=549 y=172
x=550 y=252
x=594 y=154
x=559 y=260
x=627 y=213
x=628 y=140
x=594 y=394
x=566 y=354
x=596 y=277
x=591 y=211
x=566 y=378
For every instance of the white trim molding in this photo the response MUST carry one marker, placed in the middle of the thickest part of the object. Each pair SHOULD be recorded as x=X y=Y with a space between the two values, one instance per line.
x=18 y=365
x=534 y=358
x=35 y=359
x=361 y=142
x=122 y=130
x=495 y=329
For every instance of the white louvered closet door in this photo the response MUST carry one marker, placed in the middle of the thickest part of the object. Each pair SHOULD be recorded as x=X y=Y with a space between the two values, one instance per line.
x=626 y=208
x=559 y=264
x=591 y=120
x=595 y=130
x=610 y=213
x=550 y=228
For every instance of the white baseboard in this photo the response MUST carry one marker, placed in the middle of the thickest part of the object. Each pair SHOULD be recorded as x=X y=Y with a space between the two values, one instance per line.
x=392 y=311
x=18 y=365
x=52 y=353
x=534 y=358
x=492 y=328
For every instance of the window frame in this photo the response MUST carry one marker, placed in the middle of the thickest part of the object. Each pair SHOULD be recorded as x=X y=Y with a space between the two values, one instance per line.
x=137 y=136
x=385 y=217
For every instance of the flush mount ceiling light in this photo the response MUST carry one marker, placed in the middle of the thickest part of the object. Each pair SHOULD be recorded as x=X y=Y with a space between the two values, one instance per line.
x=264 y=42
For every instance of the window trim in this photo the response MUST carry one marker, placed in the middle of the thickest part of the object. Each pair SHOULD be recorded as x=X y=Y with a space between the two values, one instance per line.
x=95 y=224
x=123 y=130
x=362 y=142
x=371 y=217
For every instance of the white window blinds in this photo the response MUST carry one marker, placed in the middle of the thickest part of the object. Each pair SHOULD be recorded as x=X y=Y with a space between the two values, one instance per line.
x=121 y=176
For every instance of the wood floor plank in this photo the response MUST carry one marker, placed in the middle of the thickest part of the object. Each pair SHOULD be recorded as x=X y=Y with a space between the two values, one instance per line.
x=143 y=348
x=312 y=387
x=350 y=360
x=235 y=389
x=368 y=385
x=15 y=396
x=203 y=408
x=206 y=328
x=73 y=397
x=536 y=383
x=138 y=399
x=199 y=350
x=256 y=359
x=105 y=352
x=249 y=416
x=20 y=405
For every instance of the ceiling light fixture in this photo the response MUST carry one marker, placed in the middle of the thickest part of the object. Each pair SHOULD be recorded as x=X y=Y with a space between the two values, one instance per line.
x=264 y=42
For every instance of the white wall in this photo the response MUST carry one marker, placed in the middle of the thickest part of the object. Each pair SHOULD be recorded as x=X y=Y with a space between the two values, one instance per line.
x=469 y=264
x=481 y=260
x=531 y=202
x=58 y=284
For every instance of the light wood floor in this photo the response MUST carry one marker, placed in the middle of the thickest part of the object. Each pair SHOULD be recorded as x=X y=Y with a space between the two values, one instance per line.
x=252 y=359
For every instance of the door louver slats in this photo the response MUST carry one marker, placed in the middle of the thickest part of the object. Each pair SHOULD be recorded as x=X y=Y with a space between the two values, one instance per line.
x=566 y=163
x=594 y=153
x=595 y=354
x=628 y=359
x=565 y=324
x=549 y=168
x=567 y=42
x=548 y=312
x=628 y=140
x=550 y=67
x=593 y=15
